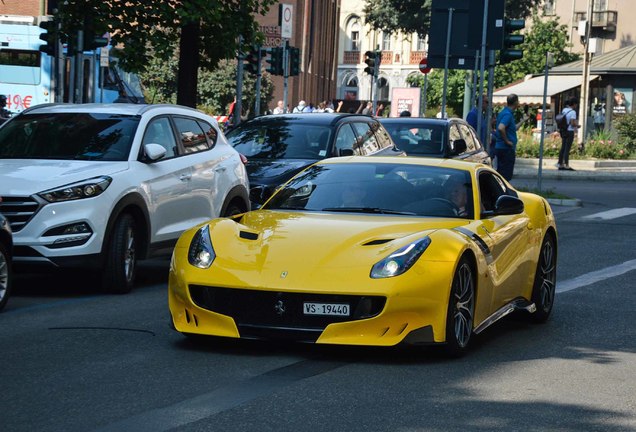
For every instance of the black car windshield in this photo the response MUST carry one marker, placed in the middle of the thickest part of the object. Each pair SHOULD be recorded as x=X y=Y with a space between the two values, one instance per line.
x=417 y=138
x=379 y=188
x=281 y=138
x=80 y=136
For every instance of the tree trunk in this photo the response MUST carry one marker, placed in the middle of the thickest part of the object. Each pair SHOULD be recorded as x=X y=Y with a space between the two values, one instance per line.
x=188 y=65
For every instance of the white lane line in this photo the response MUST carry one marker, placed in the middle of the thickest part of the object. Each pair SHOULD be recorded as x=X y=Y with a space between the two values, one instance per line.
x=595 y=276
x=612 y=214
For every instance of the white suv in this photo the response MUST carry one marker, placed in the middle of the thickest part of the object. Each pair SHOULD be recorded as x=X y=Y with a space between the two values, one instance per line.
x=101 y=186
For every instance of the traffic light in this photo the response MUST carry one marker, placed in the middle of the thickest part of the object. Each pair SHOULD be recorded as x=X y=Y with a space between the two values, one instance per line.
x=50 y=37
x=294 y=61
x=275 y=61
x=372 y=59
x=508 y=52
x=252 y=61
x=91 y=39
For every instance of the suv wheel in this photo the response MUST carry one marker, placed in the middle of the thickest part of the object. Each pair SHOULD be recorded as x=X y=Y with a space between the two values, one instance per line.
x=5 y=275
x=121 y=258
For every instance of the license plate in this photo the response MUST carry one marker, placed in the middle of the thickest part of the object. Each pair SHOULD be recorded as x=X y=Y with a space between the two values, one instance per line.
x=333 y=309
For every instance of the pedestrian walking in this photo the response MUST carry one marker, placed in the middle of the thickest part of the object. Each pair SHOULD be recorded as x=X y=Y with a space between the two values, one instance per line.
x=473 y=117
x=506 y=137
x=567 y=135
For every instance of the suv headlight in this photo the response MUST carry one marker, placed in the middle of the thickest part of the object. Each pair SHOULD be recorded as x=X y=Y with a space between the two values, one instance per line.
x=201 y=253
x=401 y=260
x=85 y=189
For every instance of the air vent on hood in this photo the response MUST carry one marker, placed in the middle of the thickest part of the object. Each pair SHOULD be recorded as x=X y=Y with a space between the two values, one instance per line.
x=377 y=242
x=248 y=235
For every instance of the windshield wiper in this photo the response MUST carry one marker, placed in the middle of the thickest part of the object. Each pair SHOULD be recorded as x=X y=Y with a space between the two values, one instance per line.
x=371 y=210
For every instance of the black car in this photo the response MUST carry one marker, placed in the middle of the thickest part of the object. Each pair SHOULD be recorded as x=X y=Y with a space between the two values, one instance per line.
x=6 y=246
x=443 y=138
x=279 y=146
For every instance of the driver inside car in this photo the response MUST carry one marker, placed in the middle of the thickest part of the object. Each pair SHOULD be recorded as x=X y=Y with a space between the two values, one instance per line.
x=457 y=193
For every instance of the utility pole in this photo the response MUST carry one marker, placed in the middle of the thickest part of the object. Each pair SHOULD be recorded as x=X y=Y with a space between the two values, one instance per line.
x=585 y=85
x=238 y=106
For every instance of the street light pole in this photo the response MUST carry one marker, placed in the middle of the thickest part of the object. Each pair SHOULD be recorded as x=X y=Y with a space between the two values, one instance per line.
x=585 y=85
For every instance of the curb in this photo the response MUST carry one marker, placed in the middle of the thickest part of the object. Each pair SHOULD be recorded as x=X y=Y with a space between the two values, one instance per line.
x=570 y=202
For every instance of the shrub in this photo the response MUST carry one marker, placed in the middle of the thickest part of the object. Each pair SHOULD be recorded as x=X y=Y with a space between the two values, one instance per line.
x=626 y=127
x=606 y=149
x=528 y=147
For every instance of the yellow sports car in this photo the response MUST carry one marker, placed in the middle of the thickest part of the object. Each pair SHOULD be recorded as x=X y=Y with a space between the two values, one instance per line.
x=370 y=251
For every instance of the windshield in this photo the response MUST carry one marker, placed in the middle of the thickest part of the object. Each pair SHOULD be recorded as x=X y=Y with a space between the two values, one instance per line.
x=378 y=189
x=418 y=139
x=280 y=138
x=83 y=136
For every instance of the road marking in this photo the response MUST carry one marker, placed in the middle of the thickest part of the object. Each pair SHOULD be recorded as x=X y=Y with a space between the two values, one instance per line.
x=595 y=276
x=221 y=399
x=612 y=214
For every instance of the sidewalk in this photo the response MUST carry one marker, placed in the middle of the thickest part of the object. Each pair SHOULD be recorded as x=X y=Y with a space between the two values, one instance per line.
x=594 y=170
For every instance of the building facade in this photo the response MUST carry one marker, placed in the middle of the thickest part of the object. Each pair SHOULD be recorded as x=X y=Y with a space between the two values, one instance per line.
x=612 y=22
x=401 y=55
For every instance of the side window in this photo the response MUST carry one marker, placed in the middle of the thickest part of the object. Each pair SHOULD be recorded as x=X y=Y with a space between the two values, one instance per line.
x=210 y=132
x=453 y=133
x=191 y=135
x=345 y=139
x=491 y=188
x=383 y=137
x=468 y=137
x=368 y=143
x=159 y=131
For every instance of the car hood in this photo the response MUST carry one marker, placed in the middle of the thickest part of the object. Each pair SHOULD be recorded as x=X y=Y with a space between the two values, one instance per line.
x=275 y=171
x=20 y=177
x=266 y=246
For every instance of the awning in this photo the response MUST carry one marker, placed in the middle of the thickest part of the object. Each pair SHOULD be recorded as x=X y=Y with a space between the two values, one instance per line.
x=530 y=92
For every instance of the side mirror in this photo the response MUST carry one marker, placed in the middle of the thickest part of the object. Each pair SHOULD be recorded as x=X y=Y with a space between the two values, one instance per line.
x=258 y=196
x=154 y=152
x=458 y=147
x=508 y=205
x=345 y=152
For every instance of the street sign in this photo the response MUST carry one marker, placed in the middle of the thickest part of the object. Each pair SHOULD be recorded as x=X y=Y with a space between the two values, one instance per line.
x=285 y=20
x=103 y=57
x=424 y=68
x=460 y=56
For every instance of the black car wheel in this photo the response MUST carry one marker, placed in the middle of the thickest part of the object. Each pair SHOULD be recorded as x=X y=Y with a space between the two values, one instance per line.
x=121 y=257
x=461 y=310
x=5 y=275
x=545 y=281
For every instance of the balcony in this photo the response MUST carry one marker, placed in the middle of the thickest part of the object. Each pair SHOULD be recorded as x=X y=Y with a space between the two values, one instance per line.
x=351 y=57
x=604 y=20
x=387 y=57
x=416 y=57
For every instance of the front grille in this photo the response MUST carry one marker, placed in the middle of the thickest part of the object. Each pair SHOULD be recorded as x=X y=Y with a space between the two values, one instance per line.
x=255 y=308
x=19 y=211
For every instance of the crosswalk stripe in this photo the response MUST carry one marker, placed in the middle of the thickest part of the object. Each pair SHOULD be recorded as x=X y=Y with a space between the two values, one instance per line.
x=595 y=276
x=612 y=214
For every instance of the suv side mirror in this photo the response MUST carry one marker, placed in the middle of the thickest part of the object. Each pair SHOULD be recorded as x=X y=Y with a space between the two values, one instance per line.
x=458 y=147
x=154 y=152
x=508 y=205
x=345 y=152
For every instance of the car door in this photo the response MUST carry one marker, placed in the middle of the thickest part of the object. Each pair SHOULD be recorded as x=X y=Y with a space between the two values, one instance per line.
x=474 y=150
x=367 y=143
x=208 y=167
x=507 y=238
x=166 y=182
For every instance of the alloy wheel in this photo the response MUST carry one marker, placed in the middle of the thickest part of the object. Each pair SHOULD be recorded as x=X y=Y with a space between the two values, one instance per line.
x=464 y=305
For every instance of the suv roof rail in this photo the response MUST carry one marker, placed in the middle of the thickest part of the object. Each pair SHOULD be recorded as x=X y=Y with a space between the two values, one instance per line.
x=34 y=107
x=155 y=106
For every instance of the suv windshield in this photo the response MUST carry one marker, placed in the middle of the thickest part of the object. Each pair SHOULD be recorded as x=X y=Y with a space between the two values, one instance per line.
x=281 y=139
x=82 y=136
x=405 y=189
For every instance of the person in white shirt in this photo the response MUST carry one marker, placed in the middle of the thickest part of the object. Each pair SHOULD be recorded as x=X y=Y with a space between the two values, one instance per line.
x=279 y=108
x=300 y=108
x=568 y=138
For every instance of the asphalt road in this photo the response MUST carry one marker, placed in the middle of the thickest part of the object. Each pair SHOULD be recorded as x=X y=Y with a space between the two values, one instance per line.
x=73 y=359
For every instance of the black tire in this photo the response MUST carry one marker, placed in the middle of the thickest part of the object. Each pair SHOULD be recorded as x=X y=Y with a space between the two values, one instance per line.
x=233 y=209
x=544 y=289
x=461 y=310
x=121 y=259
x=5 y=275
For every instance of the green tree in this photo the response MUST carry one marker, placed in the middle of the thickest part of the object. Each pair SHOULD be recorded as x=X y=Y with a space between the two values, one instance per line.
x=435 y=87
x=414 y=16
x=216 y=88
x=544 y=36
x=204 y=31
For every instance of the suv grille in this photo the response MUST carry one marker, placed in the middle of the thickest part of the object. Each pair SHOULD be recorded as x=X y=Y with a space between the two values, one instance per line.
x=18 y=210
x=256 y=308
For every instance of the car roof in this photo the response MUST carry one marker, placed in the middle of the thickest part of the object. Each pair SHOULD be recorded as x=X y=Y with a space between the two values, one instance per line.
x=99 y=108
x=422 y=161
x=418 y=120
x=327 y=119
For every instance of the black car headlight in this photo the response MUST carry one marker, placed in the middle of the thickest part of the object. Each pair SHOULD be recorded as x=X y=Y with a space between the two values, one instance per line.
x=401 y=260
x=201 y=253
x=85 y=189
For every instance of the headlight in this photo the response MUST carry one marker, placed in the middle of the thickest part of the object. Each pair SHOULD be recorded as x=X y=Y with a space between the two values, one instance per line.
x=201 y=253
x=85 y=189
x=401 y=260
